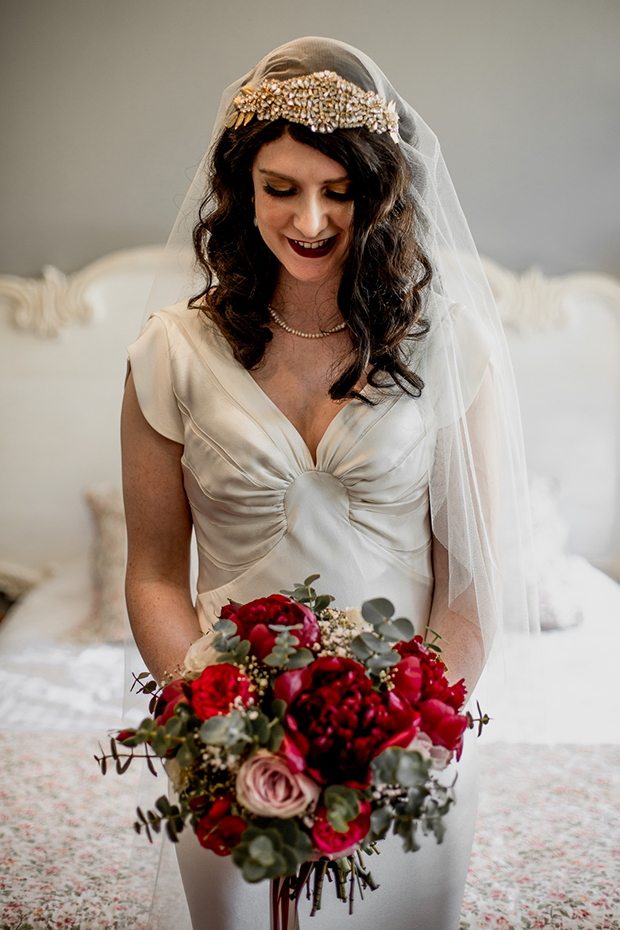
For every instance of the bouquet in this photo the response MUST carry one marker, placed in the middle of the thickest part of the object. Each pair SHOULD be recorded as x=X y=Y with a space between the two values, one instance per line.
x=298 y=735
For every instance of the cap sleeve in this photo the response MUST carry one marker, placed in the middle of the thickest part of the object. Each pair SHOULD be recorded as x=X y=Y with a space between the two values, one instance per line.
x=151 y=367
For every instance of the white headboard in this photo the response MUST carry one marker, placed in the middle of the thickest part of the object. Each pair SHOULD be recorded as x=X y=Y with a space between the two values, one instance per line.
x=62 y=369
x=61 y=395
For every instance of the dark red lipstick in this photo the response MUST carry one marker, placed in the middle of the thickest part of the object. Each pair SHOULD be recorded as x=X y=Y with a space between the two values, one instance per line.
x=312 y=253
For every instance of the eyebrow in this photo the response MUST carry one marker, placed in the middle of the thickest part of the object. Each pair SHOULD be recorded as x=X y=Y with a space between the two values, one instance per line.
x=285 y=177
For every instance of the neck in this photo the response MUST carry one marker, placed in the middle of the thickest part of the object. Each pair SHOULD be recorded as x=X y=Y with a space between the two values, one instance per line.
x=307 y=304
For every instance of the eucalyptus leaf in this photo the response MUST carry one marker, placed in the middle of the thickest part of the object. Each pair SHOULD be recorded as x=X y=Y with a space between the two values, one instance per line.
x=390 y=631
x=225 y=626
x=378 y=663
x=277 y=735
x=261 y=728
x=278 y=708
x=300 y=658
x=405 y=628
x=377 y=607
x=174 y=725
x=380 y=821
x=360 y=649
x=214 y=730
x=242 y=649
x=252 y=871
x=310 y=579
x=262 y=851
x=322 y=602
x=184 y=756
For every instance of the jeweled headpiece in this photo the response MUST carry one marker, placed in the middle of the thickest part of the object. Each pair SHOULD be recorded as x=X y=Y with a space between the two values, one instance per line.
x=323 y=101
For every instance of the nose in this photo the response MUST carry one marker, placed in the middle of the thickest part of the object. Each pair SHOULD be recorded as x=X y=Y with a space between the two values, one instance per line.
x=311 y=218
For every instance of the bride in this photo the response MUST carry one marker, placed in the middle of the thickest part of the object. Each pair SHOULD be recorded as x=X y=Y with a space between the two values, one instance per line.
x=335 y=399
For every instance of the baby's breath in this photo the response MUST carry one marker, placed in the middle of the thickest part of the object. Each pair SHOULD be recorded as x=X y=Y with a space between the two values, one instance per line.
x=337 y=631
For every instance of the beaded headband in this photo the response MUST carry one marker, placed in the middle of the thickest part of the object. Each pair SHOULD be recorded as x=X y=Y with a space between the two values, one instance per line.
x=323 y=101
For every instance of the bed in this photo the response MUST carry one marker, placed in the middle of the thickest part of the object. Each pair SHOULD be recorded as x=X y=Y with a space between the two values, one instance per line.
x=547 y=851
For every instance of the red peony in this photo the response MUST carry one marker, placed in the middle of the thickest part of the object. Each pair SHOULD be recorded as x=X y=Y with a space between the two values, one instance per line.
x=253 y=621
x=443 y=725
x=339 y=722
x=220 y=831
x=434 y=681
x=215 y=690
x=176 y=692
x=333 y=844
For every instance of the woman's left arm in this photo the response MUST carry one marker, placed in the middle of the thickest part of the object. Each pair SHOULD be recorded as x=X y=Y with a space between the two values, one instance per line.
x=468 y=623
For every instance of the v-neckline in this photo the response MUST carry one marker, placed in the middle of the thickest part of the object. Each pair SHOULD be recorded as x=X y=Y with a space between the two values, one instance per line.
x=290 y=427
x=313 y=458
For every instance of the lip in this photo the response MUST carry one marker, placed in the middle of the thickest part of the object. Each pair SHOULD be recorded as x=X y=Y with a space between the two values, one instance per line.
x=312 y=253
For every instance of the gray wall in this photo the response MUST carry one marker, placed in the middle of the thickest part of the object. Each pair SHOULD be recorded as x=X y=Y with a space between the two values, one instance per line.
x=106 y=108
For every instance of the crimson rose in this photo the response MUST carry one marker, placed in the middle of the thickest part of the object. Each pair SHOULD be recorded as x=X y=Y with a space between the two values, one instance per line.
x=174 y=693
x=215 y=690
x=444 y=727
x=335 y=845
x=434 y=681
x=220 y=830
x=339 y=722
x=253 y=619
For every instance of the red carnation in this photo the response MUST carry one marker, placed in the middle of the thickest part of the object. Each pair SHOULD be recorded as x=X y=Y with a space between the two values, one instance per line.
x=220 y=831
x=339 y=722
x=253 y=620
x=435 y=685
x=333 y=844
x=215 y=690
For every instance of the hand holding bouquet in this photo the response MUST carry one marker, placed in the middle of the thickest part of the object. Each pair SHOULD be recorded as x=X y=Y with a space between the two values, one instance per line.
x=298 y=735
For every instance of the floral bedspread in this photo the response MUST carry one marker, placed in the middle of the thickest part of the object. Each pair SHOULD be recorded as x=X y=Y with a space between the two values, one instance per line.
x=547 y=850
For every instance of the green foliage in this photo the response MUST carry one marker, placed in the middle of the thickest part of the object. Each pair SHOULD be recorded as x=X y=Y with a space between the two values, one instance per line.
x=271 y=849
x=420 y=802
x=396 y=766
x=342 y=805
x=228 y=643
x=304 y=593
x=376 y=649
x=168 y=814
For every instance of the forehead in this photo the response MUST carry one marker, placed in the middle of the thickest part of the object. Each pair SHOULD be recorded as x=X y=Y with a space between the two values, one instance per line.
x=288 y=158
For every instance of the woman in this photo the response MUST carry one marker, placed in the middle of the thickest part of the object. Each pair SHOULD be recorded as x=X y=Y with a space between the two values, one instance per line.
x=335 y=401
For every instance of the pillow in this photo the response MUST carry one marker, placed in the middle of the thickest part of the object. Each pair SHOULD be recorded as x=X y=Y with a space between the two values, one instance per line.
x=106 y=619
x=559 y=596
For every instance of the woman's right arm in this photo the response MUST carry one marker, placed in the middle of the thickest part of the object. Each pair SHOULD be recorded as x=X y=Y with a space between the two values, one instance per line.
x=159 y=528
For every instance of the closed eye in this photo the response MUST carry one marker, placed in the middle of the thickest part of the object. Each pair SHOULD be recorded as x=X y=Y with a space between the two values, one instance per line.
x=274 y=192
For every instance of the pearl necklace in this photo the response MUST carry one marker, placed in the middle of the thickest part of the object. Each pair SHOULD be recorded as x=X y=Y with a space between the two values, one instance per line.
x=297 y=332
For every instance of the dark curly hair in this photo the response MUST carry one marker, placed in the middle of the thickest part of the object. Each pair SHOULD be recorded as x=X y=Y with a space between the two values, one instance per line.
x=384 y=274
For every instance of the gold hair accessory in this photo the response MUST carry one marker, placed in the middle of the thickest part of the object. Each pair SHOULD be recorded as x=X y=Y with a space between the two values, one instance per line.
x=323 y=101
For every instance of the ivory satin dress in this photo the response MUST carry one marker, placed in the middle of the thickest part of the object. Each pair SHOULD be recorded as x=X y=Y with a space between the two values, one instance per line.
x=266 y=515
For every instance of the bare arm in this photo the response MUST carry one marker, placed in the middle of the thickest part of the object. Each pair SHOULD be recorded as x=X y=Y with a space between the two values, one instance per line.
x=463 y=651
x=159 y=527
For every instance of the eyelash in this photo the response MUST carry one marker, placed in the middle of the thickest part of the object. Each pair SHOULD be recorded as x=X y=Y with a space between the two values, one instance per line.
x=333 y=195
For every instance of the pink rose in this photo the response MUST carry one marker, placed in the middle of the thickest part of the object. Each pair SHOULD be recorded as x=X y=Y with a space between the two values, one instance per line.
x=336 y=845
x=266 y=786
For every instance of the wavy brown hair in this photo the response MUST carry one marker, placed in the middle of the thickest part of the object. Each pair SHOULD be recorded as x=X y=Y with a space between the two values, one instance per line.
x=384 y=275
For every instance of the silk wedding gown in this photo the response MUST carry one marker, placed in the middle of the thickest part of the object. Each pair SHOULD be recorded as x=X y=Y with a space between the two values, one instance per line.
x=266 y=515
